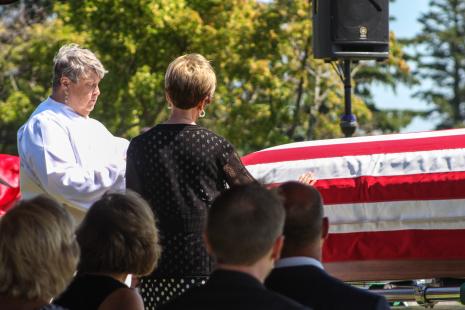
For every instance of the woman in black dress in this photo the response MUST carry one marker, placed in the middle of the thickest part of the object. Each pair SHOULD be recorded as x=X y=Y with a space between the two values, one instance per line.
x=180 y=167
x=117 y=237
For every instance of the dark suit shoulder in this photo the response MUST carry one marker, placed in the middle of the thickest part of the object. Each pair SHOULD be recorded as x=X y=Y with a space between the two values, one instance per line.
x=212 y=300
x=232 y=291
x=283 y=302
x=315 y=288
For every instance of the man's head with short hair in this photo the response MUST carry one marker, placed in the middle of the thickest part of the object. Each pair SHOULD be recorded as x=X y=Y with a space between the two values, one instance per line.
x=243 y=224
x=189 y=79
x=75 y=62
x=305 y=224
x=38 y=251
x=118 y=235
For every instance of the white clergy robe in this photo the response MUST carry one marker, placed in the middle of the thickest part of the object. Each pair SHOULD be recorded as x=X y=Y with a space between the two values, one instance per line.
x=72 y=158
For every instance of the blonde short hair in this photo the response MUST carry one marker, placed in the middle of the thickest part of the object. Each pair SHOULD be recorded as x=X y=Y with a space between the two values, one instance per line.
x=75 y=62
x=119 y=235
x=188 y=80
x=38 y=251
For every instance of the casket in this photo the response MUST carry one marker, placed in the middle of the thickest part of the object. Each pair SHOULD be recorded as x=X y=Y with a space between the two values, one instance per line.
x=396 y=203
x=9 y=182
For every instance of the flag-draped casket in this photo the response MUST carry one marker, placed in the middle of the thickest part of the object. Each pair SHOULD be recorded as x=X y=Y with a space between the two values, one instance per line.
x=9 y=181
x=389 y=197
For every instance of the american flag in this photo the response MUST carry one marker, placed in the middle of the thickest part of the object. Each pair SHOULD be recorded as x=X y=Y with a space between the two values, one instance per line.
x=9 y=182
x=388 y=197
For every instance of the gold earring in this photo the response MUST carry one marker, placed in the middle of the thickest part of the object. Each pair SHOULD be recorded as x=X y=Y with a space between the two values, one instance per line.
x=202 y=113
x=66 y=96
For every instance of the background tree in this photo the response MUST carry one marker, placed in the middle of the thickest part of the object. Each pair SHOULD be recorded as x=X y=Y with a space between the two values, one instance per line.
x=270 y=89
x=440 y=58
x=390 y=74
x=29 y=38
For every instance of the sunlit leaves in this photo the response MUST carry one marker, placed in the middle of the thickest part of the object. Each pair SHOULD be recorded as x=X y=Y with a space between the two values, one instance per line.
x=270 y=89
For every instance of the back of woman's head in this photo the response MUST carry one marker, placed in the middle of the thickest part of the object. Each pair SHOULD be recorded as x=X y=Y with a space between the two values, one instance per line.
x=189 y=79
x=118 y=235
x=38 y=251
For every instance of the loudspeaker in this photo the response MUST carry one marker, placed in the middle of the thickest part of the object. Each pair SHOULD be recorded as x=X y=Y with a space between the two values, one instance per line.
x=350 y=29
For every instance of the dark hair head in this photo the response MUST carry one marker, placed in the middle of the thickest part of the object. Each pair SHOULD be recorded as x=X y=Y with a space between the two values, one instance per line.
x=243 y=224
x=118 y=235
x=304 y=214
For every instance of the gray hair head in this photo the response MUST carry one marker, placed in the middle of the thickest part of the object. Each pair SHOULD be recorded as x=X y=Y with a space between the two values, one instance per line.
x=75 y=62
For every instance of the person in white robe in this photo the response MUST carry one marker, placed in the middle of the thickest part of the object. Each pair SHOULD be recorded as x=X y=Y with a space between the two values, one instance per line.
x=63 y=152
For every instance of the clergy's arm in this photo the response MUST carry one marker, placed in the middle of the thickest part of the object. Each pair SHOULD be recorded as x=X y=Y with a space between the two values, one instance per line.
x=54 y=163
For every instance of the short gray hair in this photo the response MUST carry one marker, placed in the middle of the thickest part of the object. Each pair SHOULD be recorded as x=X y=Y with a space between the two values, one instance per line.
x=75 y=62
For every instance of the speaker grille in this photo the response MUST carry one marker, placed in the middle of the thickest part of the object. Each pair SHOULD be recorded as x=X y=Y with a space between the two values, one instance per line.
x=360 y=20
x=350 y=29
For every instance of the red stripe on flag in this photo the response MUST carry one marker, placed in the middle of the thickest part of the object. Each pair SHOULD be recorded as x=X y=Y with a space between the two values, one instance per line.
x=392 y=245
x=427 y=186
x=353 y=149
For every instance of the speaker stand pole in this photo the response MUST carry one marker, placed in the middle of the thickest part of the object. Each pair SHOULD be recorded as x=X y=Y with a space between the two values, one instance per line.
x=348 y=120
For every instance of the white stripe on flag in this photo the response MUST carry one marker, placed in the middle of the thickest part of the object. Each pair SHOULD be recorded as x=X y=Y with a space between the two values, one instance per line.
x=399 y=215
x=448 y=160
x=342 y=141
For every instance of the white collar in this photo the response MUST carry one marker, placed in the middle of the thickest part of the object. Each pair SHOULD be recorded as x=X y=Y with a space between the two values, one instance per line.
x=58 y=104
x=65 y=108
x=298 y=261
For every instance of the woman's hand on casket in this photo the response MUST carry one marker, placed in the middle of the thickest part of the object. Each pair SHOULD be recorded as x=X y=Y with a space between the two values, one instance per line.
x=308 y=178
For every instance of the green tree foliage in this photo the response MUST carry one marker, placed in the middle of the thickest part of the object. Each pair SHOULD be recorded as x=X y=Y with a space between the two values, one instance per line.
x=28 y=42
x=440 y=58
x=389 y=74
x=270 y=89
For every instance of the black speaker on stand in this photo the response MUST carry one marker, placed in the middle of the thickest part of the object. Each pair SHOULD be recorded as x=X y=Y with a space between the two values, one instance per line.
x=346 y=31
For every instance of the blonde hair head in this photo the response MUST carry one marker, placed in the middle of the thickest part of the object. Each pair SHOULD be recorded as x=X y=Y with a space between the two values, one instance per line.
x=189 y=79
x=38 y=251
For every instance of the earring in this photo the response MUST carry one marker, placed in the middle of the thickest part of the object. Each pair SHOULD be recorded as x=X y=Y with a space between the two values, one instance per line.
x=202 y=113
x=66 y=96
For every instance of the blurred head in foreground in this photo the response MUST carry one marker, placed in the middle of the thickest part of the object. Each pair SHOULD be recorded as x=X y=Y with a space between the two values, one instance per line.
x=305 y=227
x=245 y=226
x=38 y=251
x=119 y=235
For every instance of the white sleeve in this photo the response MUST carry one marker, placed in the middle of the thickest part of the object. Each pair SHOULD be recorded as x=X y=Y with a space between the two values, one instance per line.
x=52 y=157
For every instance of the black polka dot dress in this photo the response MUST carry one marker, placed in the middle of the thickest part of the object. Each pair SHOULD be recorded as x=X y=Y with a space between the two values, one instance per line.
x=179 y=169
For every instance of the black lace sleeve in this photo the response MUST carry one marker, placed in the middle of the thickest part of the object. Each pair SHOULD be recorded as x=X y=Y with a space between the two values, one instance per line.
x=236 y=173
x=132 y=178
